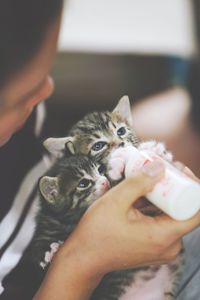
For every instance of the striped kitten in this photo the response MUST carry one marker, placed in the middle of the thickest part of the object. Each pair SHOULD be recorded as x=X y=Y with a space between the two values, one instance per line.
x=66 y=191
x=98 y=135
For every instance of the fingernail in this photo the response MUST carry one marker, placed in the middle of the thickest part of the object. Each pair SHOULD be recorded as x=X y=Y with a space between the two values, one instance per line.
x=180 y=166
x=186 y=170
x=153 y=168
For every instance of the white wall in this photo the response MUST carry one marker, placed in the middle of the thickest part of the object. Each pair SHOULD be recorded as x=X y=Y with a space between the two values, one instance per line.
x=135 y=26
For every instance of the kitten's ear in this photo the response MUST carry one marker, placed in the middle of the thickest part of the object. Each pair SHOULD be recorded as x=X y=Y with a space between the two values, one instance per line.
x=57 y=146
x=69 y=147
x=123 y=108
x=49 y=188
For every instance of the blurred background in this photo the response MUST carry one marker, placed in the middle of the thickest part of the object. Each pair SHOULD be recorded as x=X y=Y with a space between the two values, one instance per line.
x=148 y=50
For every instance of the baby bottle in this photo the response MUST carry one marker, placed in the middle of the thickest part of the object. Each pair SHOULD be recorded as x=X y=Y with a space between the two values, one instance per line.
x=176 y=194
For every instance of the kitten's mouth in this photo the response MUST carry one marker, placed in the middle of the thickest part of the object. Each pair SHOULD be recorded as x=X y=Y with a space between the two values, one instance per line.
x=146 y=207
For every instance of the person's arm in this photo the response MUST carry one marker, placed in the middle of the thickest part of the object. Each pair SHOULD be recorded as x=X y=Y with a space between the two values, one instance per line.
x=112 y=235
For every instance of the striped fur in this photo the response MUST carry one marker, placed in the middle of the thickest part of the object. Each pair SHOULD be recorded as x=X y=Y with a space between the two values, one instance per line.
x=56 y=219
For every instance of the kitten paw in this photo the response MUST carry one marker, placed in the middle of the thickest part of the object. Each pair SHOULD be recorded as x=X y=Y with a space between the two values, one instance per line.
x=117 y=166
x=48 y=256
x=158 y=148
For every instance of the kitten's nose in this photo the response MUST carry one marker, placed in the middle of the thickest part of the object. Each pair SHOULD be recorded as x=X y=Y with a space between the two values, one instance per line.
x=116 y=143
x=105 y=183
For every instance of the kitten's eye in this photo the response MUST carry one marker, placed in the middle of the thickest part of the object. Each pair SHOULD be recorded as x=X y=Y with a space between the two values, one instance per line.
x=121 y=131
x=84 y=183
x=102 y=169
x=98 y=146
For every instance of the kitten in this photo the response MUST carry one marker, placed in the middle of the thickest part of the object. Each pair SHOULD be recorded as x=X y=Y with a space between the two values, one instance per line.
x=98 y=135
x=66 y=191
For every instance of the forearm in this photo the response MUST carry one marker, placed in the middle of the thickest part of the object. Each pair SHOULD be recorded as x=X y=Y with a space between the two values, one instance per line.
x=69 y=277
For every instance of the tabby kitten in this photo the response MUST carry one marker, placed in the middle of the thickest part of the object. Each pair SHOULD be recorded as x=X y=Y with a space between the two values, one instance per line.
x=98 y=135
x=66 y=191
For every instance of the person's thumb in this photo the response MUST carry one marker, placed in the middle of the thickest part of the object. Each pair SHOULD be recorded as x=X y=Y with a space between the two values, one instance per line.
x=139 y=184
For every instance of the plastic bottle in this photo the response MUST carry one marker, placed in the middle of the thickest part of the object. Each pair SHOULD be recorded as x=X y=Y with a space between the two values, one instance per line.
x=176 y=194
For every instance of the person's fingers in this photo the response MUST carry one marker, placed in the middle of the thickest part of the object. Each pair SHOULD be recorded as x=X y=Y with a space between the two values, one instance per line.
x=172 y=251
x=189 y=173
x=166 y=256
x=181 y=167
x=176 y=229
x=139 y=184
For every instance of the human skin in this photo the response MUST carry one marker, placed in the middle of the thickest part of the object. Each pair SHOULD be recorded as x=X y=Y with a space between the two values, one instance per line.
x=112 y=234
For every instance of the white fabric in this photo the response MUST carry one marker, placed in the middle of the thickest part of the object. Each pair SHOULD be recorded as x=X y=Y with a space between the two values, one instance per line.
x=9 y=222
x=40 y=117
x=14 y=252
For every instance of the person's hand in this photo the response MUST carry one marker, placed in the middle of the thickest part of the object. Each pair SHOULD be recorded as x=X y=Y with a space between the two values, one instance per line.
x=113 y=235
x=179 y=165
x=117 y=236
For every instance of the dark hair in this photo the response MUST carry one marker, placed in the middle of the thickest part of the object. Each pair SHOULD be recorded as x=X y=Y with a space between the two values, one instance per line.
x=23 y=24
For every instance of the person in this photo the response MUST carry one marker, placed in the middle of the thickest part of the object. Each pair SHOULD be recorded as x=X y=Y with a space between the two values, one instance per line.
x=112 y=234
